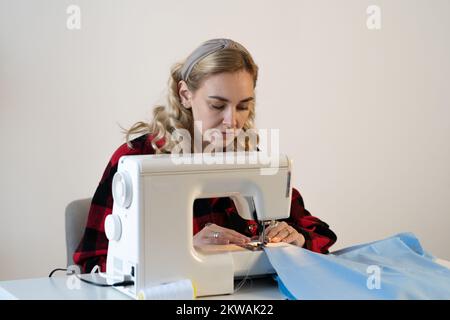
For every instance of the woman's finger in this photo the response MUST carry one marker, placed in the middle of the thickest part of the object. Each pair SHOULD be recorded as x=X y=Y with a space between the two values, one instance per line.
x=216 y=237
x=276 y=229
x=233 y=235
x=291 y=238
x=281 y=235
x=272 y=231
x=284 y=233
x=238 y=240
x=219 y=240
x=219 y=235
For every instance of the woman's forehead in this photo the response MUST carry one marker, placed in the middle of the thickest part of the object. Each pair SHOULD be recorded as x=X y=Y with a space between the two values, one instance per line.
x=232 y=86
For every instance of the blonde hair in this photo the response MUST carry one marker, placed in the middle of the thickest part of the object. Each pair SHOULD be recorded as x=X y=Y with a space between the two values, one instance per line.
x=172 y=116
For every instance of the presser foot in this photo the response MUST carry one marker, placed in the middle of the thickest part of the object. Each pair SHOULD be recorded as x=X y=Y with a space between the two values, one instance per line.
x=254 y=245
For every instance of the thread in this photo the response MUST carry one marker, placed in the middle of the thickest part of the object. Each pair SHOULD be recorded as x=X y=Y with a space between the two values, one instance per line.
x=178 y=290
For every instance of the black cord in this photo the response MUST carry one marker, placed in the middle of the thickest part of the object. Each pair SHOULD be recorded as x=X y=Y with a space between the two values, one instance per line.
x=117 y=284
x=54 y=270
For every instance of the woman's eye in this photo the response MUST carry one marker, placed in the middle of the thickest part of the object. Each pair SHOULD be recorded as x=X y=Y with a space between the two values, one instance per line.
x=217 y=107
x=242 y=107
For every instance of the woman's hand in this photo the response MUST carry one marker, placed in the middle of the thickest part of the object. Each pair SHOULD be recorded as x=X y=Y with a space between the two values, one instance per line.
x=214 y=234
x=282 y=232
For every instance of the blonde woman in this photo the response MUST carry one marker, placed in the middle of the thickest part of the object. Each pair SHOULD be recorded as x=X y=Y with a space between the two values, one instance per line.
x=213 y=89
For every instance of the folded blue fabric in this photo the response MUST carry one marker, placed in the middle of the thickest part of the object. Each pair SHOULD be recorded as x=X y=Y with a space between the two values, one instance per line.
x=393 y=268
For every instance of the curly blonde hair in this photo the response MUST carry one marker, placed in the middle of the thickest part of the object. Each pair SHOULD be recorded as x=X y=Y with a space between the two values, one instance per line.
x=167 y=118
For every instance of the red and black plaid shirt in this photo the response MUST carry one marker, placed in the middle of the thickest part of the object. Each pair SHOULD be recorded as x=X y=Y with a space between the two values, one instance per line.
x=93 y=247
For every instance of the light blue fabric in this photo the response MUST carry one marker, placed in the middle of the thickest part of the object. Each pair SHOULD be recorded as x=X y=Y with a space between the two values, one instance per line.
x=406 y=271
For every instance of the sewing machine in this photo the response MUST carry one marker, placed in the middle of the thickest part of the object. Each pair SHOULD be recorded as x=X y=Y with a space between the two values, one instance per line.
x=150 y=230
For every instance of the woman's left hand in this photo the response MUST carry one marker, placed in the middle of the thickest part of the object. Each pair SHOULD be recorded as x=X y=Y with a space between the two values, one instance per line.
x=282 y=232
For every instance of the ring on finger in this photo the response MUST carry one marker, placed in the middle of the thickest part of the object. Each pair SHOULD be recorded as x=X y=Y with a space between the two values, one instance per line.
x=215 y=234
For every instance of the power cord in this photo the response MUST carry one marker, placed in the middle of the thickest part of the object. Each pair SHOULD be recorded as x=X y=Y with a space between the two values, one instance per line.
x=117 y=284
x=54 y=270
x=124 y=283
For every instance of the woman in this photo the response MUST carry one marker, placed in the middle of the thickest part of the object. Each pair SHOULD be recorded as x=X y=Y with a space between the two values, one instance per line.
x=212 y=89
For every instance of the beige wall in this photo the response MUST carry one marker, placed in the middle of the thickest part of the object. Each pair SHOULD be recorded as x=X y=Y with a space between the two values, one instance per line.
x=364 y=113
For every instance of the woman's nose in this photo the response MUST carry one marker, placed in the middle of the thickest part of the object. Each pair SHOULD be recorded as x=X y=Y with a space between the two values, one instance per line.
x=229 y=119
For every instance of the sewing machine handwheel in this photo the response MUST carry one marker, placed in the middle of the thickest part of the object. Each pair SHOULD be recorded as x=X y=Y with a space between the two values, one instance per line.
x=121 y=189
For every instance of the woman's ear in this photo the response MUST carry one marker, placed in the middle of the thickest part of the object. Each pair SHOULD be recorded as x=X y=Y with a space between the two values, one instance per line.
x=185 y=94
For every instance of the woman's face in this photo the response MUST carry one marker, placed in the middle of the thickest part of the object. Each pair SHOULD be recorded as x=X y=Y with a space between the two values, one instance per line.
x=222 y=102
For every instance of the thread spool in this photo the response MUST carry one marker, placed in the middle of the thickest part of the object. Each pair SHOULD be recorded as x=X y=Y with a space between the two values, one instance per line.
x=178 y=290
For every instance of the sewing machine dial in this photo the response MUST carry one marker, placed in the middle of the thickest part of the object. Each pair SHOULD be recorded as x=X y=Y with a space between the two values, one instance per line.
x=121 y=189
x=113 y=227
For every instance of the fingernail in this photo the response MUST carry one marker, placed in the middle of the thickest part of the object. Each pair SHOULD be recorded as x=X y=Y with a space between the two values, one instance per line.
x=276 y=239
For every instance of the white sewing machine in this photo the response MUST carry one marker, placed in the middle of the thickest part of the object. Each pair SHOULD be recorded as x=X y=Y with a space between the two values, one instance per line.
x=150 y=231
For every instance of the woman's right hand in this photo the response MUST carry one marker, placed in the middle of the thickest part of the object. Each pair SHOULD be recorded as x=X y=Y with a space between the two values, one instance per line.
x=214 y=234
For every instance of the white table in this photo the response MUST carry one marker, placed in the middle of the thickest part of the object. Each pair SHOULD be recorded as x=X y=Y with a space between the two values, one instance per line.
x=56 y=288
x=61 y=288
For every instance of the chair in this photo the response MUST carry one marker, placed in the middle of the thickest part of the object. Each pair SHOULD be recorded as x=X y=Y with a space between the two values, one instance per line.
x=76 y=218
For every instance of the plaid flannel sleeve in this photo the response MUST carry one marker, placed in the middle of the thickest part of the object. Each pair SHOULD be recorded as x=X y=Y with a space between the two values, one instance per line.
x=318 y=235
x=93 y=247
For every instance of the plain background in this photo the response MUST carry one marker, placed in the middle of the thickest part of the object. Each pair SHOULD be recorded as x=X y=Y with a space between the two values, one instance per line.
x=364 y=113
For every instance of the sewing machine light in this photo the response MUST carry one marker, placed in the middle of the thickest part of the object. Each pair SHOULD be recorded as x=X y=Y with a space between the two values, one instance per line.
x=122 y=189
